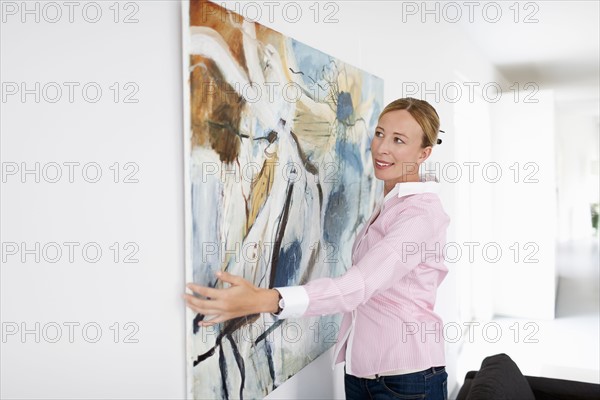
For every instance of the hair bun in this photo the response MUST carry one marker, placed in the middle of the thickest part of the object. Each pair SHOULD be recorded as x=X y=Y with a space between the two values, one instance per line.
x=439 y=141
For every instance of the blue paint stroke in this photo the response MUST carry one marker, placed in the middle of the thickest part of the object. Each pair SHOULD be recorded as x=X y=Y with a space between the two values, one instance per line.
x=288 y=264
x=344 y=106
x=336 y=215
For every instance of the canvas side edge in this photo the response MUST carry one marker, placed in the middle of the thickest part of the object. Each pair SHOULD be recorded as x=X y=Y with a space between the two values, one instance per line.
x=185 y=22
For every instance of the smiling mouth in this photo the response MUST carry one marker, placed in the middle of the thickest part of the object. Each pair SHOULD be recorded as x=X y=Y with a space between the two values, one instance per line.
x=381 y=164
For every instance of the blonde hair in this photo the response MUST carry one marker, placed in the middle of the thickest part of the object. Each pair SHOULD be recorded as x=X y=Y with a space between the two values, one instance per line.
x=425 y=115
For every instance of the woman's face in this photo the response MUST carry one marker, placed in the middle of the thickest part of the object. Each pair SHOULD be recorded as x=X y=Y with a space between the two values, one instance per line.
x=396 y=148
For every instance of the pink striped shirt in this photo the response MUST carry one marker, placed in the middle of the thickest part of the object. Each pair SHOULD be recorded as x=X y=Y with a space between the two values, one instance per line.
x=388 y=294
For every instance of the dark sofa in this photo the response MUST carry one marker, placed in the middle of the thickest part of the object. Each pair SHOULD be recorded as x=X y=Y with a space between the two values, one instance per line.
x=500 y=379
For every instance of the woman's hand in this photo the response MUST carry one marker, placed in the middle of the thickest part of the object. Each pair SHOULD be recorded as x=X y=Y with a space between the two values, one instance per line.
x=240 y=299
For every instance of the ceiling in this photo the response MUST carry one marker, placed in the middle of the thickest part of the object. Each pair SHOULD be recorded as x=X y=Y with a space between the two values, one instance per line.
x=560 y=51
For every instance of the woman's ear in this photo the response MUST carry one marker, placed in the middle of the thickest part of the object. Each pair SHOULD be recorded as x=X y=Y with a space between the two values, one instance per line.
x=425 y=153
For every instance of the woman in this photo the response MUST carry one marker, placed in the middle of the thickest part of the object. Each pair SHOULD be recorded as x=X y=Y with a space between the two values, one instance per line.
x=390 y=338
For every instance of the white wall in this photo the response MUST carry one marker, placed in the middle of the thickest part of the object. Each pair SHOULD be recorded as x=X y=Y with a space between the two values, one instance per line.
x=525 y=207
x=577 y=170
x=474 y=200
x=149 y=213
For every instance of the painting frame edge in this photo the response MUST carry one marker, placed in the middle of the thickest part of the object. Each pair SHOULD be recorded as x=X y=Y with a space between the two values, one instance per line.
x=186 y=109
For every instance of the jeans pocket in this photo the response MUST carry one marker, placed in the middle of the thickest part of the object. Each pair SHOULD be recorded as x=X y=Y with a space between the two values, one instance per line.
x=403 y=389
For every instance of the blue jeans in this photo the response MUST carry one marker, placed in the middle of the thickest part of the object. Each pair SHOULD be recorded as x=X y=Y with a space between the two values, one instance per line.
x=430 y=384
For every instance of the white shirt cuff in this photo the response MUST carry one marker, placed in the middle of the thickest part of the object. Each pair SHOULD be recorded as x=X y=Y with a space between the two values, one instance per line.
x=295 y=299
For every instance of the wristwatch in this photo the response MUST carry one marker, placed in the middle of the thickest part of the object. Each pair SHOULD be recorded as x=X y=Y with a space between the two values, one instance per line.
x=281 y=304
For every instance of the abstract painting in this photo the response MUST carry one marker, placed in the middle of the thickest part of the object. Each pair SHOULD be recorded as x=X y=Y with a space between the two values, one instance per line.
x=278 y=179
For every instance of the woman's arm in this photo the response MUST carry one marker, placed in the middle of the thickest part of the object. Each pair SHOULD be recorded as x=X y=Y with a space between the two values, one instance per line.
x=407 y=242
x=411 y=239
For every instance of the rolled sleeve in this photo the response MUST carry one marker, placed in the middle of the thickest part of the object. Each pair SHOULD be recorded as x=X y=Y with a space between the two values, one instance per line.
x=296 y=301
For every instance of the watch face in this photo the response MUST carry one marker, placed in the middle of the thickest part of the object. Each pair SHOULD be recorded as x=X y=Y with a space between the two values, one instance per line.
x=281 y=304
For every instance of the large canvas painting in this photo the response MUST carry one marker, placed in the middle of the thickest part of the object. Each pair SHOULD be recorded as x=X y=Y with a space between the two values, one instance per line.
x=278 y=181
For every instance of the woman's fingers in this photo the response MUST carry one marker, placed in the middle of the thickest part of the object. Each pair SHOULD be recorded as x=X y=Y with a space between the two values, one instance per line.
x=204 y=307
x=213 y=321
x=223 y=304
x=234 y=280
x=203 y=290
x=209 y=308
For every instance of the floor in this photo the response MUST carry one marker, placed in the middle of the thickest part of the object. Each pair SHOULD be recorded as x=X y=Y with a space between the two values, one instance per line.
x=567 y=347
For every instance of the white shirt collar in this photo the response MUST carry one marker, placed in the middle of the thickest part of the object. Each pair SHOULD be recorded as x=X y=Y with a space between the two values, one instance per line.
x=428 y=184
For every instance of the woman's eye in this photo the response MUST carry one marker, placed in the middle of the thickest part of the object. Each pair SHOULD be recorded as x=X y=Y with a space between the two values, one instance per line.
x=378 y=134
x=398 y=140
